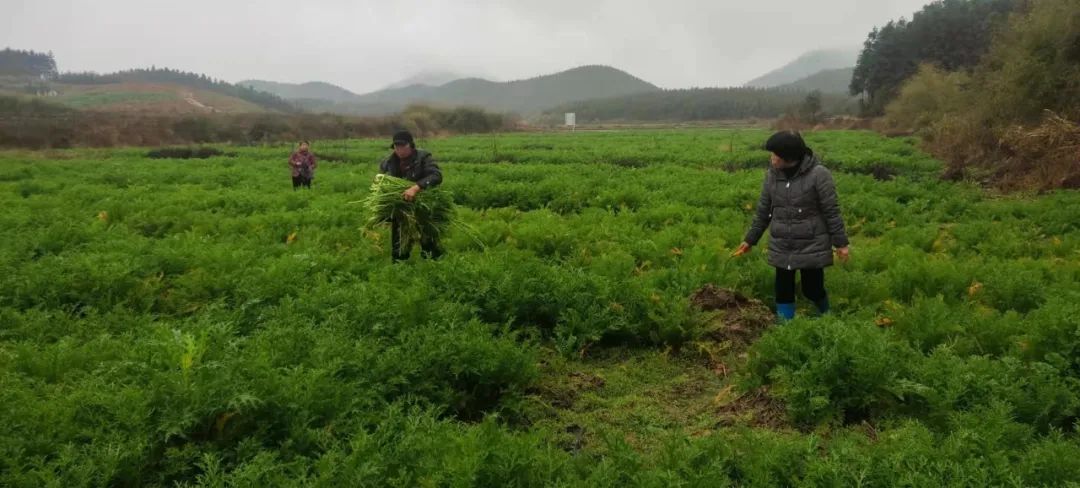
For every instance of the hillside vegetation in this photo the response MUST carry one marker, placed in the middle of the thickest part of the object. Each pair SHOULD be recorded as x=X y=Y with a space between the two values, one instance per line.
x=1012 y=119
x=175 y=77
x=951 y=34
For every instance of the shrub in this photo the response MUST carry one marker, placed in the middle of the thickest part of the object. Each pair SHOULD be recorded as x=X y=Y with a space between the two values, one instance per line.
x=831 y=371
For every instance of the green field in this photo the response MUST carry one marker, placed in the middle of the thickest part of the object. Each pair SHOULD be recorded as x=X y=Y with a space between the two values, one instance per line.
x=93 y=100
x=197 y=322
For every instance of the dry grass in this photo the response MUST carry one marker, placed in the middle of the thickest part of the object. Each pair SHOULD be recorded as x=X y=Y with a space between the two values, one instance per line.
x=1042 y=157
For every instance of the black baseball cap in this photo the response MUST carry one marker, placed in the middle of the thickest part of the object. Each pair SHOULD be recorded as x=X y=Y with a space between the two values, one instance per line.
x=402 y=137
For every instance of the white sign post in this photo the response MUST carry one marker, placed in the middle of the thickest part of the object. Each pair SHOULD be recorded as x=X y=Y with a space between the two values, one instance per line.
x=571 y=120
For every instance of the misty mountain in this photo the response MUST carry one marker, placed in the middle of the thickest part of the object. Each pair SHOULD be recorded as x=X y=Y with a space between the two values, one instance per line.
x=806 y=65
x=322 y=95
x=311 y=90
x=429 y=78
x=521 y=96
x=834 y=81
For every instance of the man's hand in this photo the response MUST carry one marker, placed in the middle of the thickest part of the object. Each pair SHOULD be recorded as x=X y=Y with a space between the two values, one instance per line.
x=743 y=249
x=410 y=194
x=844 y=253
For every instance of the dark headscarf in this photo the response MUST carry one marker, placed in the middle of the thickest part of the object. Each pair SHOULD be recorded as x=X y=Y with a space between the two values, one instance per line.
x=789 y=145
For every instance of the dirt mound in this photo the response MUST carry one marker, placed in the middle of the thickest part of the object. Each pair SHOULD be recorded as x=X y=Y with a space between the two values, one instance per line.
x=754 y=408
x=711 y=298
x=733 y=317
x=734 y=321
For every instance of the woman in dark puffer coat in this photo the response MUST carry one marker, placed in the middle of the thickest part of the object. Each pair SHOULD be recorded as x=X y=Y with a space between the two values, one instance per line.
x=798 y=205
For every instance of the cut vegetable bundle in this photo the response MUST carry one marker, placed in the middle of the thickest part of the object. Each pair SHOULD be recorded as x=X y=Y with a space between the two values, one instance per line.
x=431 y=213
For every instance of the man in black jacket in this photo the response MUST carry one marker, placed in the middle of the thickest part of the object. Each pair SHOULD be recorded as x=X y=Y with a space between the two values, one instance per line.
x=419 y=166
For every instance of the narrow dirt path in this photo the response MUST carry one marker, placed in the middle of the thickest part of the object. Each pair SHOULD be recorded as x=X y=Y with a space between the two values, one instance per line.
x=189 y=97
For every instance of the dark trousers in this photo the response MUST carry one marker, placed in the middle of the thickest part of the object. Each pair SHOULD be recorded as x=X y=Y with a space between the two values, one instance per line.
x=813 y=285
x=298 y=181
x=429 y=245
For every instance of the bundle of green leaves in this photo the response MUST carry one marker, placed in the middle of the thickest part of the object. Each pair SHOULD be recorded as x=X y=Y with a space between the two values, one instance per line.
x=431 y=213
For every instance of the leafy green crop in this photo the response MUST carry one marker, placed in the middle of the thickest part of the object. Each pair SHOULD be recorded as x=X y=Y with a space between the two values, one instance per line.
x=194 y=322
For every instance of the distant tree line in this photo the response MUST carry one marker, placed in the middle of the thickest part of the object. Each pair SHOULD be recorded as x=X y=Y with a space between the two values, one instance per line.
x=698 y=104
x=191 y=80
x=27 y=63
x=33 y=123
x=951 y=34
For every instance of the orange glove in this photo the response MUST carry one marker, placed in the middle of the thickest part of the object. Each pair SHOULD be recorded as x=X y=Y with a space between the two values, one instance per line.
x=743 y=249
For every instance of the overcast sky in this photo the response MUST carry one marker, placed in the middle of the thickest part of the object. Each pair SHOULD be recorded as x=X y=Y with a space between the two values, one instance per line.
x=364 y=45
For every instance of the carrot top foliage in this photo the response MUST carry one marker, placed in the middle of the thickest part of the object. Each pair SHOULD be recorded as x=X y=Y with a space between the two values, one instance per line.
x=194 y=322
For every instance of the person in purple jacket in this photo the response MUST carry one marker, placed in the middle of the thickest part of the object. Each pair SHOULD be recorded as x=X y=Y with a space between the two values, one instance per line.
x=302 y=163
